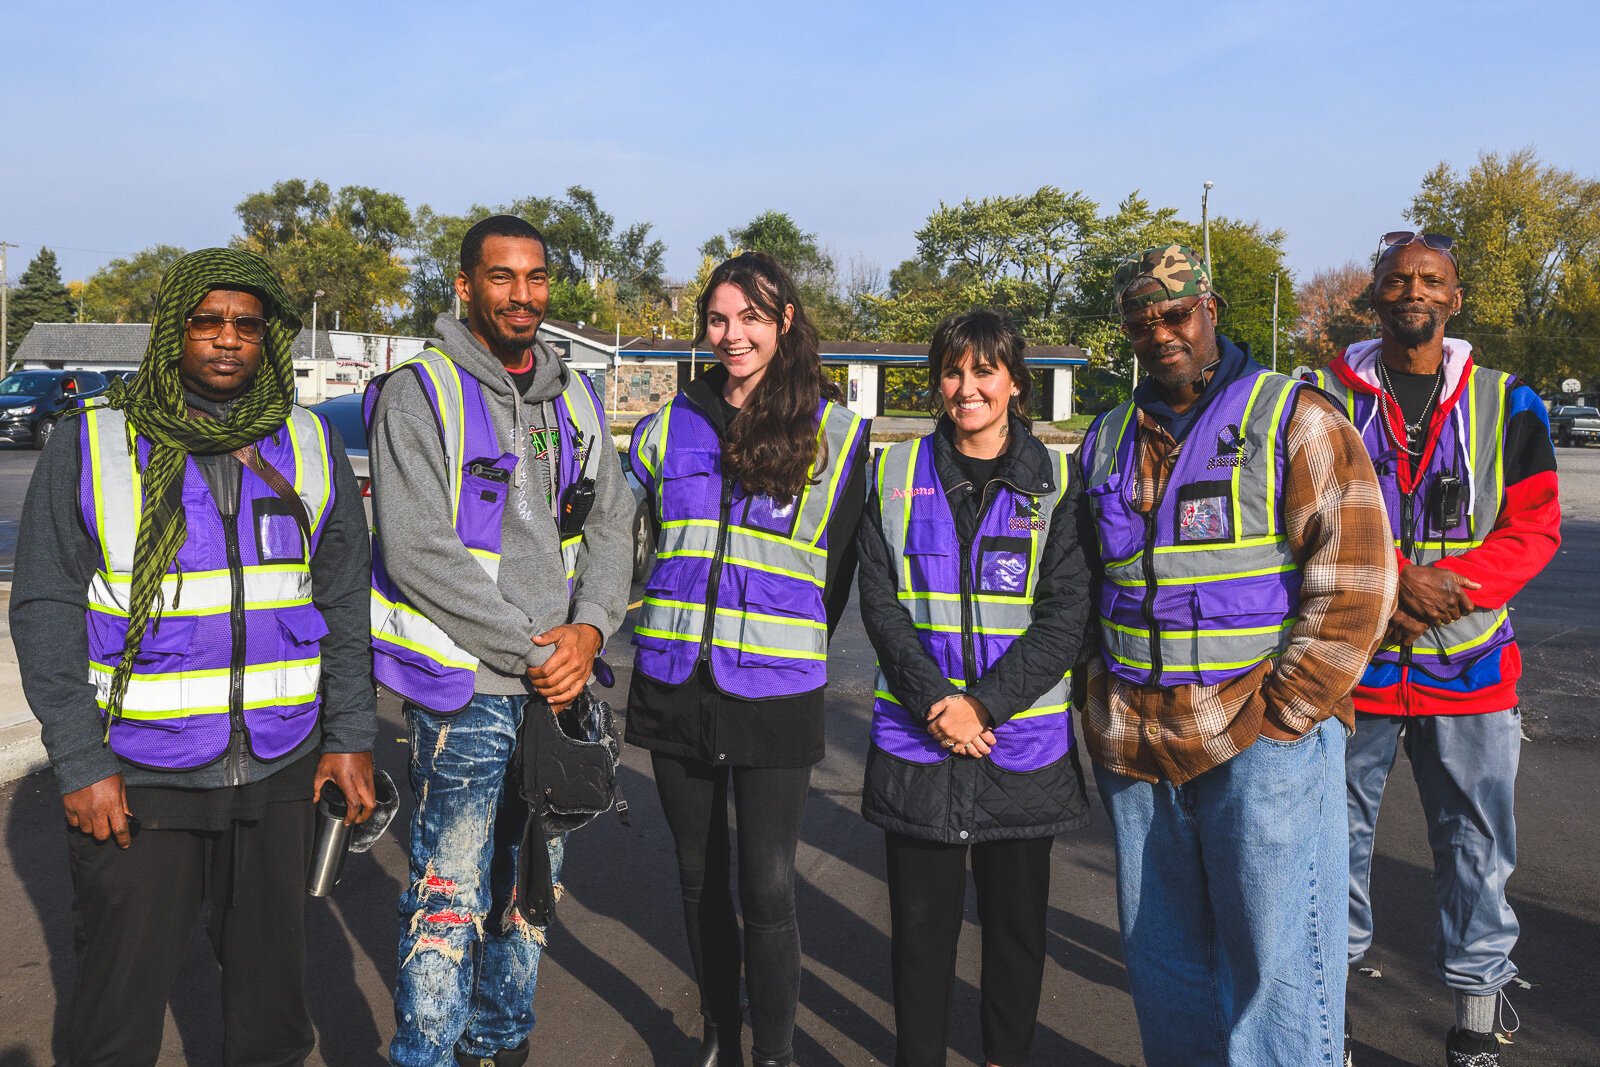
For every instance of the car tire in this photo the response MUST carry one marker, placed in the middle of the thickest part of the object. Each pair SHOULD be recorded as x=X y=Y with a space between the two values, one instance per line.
x=644 y=542
x=41 y=433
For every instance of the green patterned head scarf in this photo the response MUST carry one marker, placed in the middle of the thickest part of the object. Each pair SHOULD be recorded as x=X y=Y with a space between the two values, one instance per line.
x=156 y=410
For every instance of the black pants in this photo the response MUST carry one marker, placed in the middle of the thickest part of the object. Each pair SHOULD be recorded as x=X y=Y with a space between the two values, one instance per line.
x=927 y=893
x=135 y=911
x=771 y=802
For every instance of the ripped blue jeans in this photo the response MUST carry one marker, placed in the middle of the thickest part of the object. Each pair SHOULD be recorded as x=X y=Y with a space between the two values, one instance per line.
x=468 y=961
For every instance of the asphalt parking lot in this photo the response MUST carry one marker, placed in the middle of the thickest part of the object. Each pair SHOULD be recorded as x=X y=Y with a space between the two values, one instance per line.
x=616 y=988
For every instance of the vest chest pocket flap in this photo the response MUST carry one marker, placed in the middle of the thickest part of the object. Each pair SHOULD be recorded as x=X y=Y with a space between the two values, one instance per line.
x=166 y=642
x=777 y=623
x=692 y=485
x=928 y=555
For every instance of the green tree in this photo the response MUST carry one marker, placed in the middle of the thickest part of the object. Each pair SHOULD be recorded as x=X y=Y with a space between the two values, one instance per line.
x=1528 y=237
x=40 y=296
x=1244 y=259
x=346 y=244
x=125 y=290
x=585 y=250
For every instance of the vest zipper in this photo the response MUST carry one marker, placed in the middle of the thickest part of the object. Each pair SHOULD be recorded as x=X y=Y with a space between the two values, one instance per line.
x=969 y=658
x=238 y=743
x=1149 y=606
x=715 y=579
x=1408 y=542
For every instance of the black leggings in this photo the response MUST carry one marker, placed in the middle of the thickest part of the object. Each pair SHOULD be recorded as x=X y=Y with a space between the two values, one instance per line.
x=771 y=802
x=927 y=890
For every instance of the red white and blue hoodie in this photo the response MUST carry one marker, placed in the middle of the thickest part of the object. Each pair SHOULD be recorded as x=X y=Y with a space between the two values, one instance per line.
x=1524 y=538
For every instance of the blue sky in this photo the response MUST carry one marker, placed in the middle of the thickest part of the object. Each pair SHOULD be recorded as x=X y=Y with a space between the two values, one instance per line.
x=129 y=125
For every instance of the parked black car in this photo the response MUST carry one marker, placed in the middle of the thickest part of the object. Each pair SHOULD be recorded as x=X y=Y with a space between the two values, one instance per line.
x=32 y=400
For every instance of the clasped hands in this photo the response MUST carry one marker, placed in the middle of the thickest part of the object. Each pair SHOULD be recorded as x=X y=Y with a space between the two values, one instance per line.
x=963 y=725
x=560 y=678
x=1429 y=596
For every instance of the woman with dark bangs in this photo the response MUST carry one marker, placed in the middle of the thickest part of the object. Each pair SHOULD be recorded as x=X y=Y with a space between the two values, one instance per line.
x=975 y=594
x=756 y=477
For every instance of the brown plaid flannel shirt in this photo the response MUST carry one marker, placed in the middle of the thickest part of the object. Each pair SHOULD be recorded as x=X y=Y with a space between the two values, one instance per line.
x=1339 y=533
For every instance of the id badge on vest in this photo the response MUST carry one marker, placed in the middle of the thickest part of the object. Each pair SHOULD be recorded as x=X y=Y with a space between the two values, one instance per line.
x=1205 y=513
x=278 y=538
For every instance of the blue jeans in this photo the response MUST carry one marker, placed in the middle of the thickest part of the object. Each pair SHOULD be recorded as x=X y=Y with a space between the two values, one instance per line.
x=1230 y=891
x=468 y=960
x=1466 y=771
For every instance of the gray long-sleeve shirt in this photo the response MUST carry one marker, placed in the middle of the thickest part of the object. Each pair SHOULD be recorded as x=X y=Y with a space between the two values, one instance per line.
x=495 y=619
x=56 y=558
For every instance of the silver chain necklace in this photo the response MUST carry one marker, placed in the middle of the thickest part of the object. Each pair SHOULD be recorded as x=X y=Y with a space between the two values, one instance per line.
x=1413 y=429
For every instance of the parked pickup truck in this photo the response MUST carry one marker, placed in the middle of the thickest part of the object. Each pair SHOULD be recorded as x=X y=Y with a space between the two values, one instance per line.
x=1574 y=425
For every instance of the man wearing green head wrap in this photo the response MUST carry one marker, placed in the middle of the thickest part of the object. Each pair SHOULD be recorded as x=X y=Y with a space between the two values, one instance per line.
x=190 y=616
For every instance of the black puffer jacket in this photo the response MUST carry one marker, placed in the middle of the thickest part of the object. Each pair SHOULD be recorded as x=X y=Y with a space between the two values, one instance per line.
x=962 y=800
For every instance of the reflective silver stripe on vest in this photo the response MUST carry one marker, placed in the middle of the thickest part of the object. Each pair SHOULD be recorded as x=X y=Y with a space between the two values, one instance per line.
x=797 y=556
x=117 y=489
x=1484 y=420
x=117 y=484
x=1260 y=546
x=400 y=623
x=1007 y=616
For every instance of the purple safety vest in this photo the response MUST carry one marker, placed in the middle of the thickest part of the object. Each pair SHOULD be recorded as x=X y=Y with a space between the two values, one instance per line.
x=412 y=655
x=969 y=602
x=238 y=640
x=1203 y=587
x=738 y=579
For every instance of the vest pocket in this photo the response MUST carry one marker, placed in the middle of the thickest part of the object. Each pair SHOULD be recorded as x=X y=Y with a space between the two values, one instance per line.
x=166 y=643
x=780 y=615
x=301 y=626
x=1241 y=603
x=931 y=555
x=690 y=485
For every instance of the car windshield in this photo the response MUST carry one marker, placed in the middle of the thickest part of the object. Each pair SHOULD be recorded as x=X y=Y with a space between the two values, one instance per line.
x=1583 y=413
x=34 y=384
x=344 y=415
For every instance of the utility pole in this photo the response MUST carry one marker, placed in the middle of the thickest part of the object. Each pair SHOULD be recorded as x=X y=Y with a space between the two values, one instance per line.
x=1205 y=226
x=5 y=321
x=1275 y=276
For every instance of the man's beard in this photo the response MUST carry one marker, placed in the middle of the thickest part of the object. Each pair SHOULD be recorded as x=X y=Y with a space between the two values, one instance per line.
x=507 y=338
x=1413 y=330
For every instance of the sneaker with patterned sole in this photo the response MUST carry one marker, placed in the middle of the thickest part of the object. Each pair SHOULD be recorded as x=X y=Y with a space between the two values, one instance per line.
x=1466 y=1048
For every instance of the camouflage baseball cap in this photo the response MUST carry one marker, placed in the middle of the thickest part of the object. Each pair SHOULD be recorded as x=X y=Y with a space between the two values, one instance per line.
x=1179 y=270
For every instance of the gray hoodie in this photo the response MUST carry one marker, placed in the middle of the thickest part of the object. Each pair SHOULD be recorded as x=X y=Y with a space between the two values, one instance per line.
x=411 y=505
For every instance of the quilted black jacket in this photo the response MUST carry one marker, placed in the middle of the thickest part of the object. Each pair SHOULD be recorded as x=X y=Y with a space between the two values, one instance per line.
x=962 y=800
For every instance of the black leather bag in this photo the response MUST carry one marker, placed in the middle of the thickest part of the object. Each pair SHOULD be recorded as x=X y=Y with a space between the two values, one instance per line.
x=569 y=776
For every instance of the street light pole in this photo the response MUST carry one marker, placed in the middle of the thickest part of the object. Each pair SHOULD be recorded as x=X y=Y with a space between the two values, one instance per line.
x=314 y=298
x=5 y=310
x=1205 y=226
x=1275 y=276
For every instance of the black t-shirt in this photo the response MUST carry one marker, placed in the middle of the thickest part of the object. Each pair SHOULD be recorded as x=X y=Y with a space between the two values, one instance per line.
x=1417 y=395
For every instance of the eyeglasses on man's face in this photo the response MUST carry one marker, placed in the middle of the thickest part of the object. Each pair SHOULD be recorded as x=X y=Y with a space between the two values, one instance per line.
x=1173 y=321
x=251 y=328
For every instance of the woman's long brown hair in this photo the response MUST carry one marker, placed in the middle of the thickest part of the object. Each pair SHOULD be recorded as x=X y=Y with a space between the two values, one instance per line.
x=773 y=442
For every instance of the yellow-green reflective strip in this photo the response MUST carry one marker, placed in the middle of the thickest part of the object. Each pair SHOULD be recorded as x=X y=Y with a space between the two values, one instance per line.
x=1034 y=713
x=457 y=401
x=422 y=650
x=745 y=531
x=1144 y=665
x=763 y=650
x=214 y=672
x=1272 y=449
x=250 y=705
x=1470 y=643
x=977 y=598
x=695 y=553
x=784 y=620
x=265 y=568
x=178 y=613
x=1116 y=451
x=838 y=466
x=1284 y=569
x=982 y=631
x=1246 y=631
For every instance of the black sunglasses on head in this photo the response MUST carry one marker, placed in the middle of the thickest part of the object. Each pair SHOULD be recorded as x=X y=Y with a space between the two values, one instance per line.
x=1439 y=242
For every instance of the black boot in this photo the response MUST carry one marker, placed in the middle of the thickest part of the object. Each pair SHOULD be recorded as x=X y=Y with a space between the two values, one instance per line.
x=506 y=1057
x=720 y=1047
